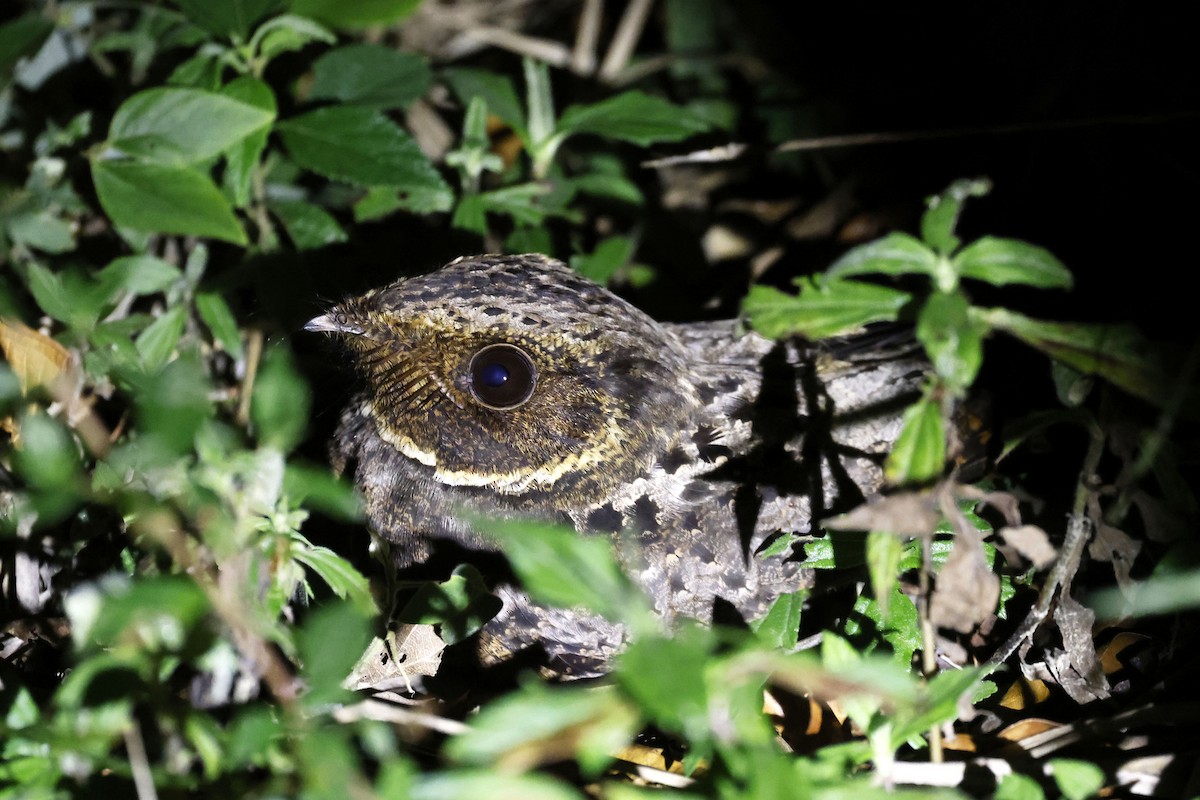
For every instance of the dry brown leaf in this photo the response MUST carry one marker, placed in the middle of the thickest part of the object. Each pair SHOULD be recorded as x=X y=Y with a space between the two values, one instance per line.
x=967 y=590
x=1024 y=692
x=1110 y=653
x=1030 y=726
x=1032 y=543
x=1120 y=549
x=36 y=359
x=904 y=514
x=391 y=662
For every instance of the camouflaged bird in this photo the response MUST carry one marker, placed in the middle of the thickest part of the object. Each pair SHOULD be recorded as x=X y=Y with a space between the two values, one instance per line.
x=510 y=385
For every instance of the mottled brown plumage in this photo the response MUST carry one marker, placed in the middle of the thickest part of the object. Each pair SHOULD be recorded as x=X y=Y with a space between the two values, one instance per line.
x=510 y=385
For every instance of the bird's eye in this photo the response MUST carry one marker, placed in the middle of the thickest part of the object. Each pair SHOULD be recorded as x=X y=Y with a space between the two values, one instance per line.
x=502 y=376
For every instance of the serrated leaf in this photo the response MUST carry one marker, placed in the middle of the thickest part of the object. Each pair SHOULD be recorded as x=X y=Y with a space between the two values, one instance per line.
x=308 y=226
x=358 y=145
x=48 y=290
x=1001 y=261
x=894 y=254
x=518 y=202
x=164 y=199
x=179 y=126
x=1117 y=353
x=920 y=451
x=821 y=310
x=633 y=117
x=341 y=576
x=215 y=312
x=156 y=343
x=952 y=338
x=228 y=17
x=370 y=75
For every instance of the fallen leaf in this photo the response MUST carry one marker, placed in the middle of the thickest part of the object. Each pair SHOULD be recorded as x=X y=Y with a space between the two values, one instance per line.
x=904 y=514
x=391 y=662
x=36 y=359
x=1032 y=543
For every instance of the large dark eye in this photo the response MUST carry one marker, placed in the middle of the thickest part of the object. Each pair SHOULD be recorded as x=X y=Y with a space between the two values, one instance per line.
x=502 y=376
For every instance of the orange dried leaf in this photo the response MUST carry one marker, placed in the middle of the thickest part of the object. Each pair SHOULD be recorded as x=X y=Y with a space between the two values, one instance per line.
x=35 y=358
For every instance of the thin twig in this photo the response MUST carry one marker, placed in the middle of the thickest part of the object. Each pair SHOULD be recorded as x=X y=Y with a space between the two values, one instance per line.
x=587 y=38
x=379 y=711
x=1078 y=528
x=629 y=31
x=254 y=348
x=139 y=765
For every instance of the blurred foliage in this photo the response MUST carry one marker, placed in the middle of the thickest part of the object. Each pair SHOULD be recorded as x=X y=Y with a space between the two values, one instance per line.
x=164 y=505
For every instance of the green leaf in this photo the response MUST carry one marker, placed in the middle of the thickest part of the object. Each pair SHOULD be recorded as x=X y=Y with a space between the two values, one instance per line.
x=538 y=722
x=47 y=457
x=894 y=620
x=48 y=290
x=539 y=102
x=279 y=407
x=460 y=605
x=883 y=565
x=633 y=117
x=232 y=18
x=286 y=33
x=330 y=644
x=1117 y=353
x=781 y=625
x=358 y=14
x=940 y=703
x=676 y=698
x=358 y=145
x=472 y=784
x=1002 y=261
x=318 y=488
x=173 y=404
x=345 y=581
x=220 y=320
x=920 y=451
x=1015 y=786
x=156 y=343
x=308 y=226
x=941 y=218
x=495 y=89
x=164 y=199
x=608 y=257
x=20 y=37
x=952 y=338
x=1077 y=780
x=370 y=75
x=242 y=158
x=821 y=310
x=894 y=254
x=178 y=126
x=138 y=275
x=518 y=202
x=558 y=567
x=42 y=231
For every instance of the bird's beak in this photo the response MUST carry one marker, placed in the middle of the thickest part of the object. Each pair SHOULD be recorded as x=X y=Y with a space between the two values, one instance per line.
x=324 y=323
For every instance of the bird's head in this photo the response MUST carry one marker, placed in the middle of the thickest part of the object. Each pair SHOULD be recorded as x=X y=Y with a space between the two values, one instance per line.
x=516 y=374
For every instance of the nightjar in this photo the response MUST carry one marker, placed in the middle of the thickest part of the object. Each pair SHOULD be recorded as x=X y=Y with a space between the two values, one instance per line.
x=512 y=386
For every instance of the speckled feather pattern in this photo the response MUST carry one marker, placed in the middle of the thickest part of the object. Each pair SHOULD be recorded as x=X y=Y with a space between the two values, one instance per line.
x=691 y=445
